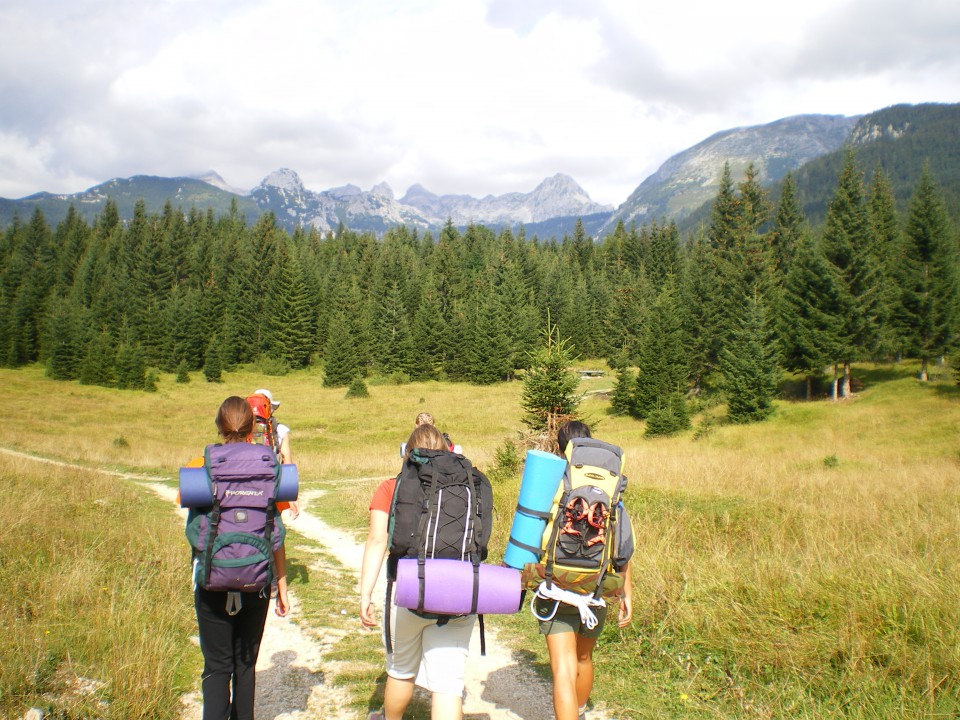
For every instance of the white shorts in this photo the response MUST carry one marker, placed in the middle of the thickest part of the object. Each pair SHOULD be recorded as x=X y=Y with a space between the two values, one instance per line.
x=436 y=655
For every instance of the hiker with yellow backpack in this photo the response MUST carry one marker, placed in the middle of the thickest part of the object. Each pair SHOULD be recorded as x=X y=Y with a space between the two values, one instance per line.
x=584 y=564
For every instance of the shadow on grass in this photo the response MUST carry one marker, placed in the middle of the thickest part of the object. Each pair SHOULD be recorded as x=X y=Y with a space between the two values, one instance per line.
x=948 y=392
x=297 y=573
x=884 y=373
x=794 y=389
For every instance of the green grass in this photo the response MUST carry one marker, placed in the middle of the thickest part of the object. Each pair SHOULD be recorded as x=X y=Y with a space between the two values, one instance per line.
x=803 y=567
x=97 y=595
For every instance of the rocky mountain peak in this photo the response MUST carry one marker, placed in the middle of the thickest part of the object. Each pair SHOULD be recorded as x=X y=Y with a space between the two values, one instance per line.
x=283 y=179
x=383 y=190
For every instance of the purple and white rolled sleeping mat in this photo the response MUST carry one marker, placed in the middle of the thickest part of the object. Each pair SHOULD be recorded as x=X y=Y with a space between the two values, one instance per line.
x=542 y=473
x=449 y=587
x=196 y=490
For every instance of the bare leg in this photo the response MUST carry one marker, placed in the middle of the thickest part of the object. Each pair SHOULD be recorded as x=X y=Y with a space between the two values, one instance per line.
x=396 y=696
x=584 y=668
x=444 y=706
x=563 y=663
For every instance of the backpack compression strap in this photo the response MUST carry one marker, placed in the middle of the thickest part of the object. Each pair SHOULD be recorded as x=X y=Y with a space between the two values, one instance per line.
x=386 y=616
x=274 y=437
x=268 y=537
x=607 y=551
x=543 y=515
x=211 y=538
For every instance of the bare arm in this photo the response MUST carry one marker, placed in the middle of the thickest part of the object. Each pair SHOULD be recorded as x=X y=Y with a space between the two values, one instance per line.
x=280 y=561
x=285 y=455
x=626 y=602
x=374 y=551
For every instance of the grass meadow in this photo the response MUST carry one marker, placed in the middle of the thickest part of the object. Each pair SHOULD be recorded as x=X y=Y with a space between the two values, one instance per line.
x=805 y=567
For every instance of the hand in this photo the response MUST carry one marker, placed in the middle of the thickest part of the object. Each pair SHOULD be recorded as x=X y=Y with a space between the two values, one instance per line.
x=626 y=611
x=368 y=613
x=283 y=601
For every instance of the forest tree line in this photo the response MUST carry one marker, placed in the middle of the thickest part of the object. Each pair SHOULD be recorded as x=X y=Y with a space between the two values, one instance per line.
x=753 y=293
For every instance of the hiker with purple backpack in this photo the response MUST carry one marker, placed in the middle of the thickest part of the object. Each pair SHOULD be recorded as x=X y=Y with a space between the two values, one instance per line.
x=234 y=580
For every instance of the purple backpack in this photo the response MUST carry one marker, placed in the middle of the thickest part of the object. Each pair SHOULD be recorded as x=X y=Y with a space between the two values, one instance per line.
x=233 y=540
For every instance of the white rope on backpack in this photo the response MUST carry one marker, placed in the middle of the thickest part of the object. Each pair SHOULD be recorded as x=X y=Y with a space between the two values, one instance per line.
x=583 y=603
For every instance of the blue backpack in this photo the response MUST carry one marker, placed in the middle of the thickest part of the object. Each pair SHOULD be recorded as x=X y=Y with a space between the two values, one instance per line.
x=233 y=540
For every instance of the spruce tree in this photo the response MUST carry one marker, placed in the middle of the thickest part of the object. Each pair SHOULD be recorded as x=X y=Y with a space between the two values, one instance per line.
x=341 y=364
x=750 y=367
x=291 y=321
x=662 y=379
x=517 y=312
x=669 y=417
x=357 y=389
x=187 y=316
x=700 y=312
x=394 y=350
x=621 y=399
x=549 y=396
x=623 y=320
x=97 y=365
x=64 y=349
x=807 y=317
x=429 y=331
x=849 y=245
x=129 y=367
x=27 y=280
x=787 y=227
x=930 y=283
x=885 y=225
x=725 y=214
x=488 y=346
x=212 y=364
x=664 y=261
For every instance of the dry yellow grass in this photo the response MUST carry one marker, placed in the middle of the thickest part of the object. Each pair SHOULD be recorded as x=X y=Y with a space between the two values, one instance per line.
x=802 y=567
x=333 y=438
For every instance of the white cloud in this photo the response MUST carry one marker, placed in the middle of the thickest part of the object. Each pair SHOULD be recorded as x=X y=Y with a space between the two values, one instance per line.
x=477 y=96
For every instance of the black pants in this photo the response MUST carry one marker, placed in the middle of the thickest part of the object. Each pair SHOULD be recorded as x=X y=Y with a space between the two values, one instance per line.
x=230 y=645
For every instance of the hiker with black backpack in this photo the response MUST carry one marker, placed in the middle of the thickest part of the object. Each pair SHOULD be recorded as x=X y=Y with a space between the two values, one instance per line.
x=571 y=597
x=238 y=561
x=439 y=506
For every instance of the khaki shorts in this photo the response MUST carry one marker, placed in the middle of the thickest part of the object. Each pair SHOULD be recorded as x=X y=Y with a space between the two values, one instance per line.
x=567 y=619
x=436 y=655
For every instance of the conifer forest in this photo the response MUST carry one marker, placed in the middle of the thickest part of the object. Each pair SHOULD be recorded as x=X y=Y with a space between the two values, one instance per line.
x=754 y=293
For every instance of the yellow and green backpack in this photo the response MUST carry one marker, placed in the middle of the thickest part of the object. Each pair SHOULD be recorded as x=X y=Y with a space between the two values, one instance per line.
x=588 y=539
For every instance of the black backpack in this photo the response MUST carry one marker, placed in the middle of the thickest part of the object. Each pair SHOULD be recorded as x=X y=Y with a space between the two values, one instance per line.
x=442 y=508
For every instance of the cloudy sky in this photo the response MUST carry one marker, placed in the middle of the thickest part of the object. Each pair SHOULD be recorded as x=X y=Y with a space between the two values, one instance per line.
x=463 y=96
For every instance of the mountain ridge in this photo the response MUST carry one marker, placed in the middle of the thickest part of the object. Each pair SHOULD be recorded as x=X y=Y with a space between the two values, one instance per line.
x=678 y=191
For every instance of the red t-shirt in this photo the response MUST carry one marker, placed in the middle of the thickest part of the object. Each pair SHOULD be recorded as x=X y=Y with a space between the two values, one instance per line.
x=383 y=495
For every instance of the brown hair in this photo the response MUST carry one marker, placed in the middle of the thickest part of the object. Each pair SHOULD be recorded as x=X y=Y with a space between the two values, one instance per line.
x=234 y=420
x=426 y=437
x=424 y=418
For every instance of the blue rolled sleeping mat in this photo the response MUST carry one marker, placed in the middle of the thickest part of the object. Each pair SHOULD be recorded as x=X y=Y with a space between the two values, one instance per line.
x=197 y=491
x=542 y=473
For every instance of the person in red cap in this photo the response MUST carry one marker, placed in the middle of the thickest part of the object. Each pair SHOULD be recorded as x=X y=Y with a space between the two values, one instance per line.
x=283 y=441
